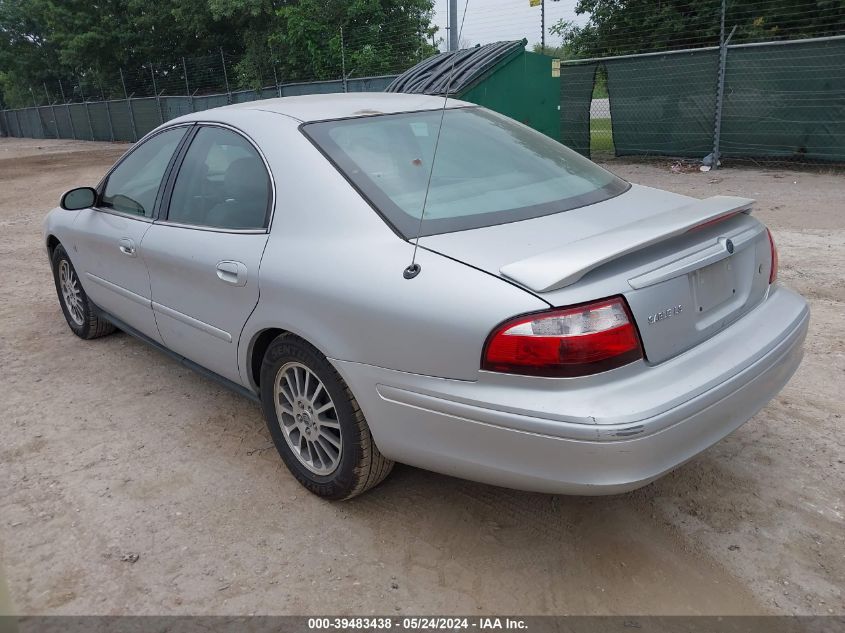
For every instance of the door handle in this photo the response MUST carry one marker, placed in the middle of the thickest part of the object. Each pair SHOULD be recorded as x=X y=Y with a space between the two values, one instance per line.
x=232 y=273
x=126 y=246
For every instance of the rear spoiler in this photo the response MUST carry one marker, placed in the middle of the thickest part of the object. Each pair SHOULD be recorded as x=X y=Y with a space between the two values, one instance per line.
x=564 y=266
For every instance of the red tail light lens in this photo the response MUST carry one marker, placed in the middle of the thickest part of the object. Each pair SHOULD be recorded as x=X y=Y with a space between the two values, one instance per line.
x=773 y=274
x=704 y=225
x=567 y=342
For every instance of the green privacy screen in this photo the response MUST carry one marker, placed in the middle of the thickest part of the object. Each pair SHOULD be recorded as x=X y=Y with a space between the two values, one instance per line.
x=781 y=100
x=786 y=101
x=130 y=119
x=663 y=104
x=576 y=92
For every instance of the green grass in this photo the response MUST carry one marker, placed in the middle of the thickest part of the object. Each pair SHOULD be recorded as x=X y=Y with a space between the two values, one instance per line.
x=601 y=136
x=600 y=89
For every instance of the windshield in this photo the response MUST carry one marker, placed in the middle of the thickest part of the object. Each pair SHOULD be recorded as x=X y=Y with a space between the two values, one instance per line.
x=488 y=170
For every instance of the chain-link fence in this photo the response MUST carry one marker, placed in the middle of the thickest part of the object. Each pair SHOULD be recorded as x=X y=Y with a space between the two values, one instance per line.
x=125 y=103
x=725 y=79
x=775 y=100
x=732 y=79
x=131 y=118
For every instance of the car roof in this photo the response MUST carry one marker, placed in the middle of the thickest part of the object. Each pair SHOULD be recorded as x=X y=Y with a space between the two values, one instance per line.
x=321 y=107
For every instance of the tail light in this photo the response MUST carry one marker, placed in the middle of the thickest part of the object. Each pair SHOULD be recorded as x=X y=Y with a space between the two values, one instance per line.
x=708 y=223
x=773 y=274
x=567 y=342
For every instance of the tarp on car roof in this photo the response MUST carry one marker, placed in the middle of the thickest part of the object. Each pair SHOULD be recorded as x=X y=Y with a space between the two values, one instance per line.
x=466 y=66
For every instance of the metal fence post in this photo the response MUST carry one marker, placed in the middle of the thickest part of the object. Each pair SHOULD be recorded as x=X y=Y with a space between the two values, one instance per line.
x=720 y=86
x=53 y=110
x=720 y=97
x=111 y=124
x=343 y=61
x=129 y=105
x=275 y=75
x=225 y=77
x=155 y=92
x=67 y=109
x=87 y=110
x=37 y=113
x=187 y=88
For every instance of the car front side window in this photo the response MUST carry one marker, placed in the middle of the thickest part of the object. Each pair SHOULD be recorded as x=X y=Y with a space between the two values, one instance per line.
x=133 y=185
x=222 y=183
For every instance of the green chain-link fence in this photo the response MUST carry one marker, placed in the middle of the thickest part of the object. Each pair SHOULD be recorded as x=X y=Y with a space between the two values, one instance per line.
x=129 y=119
x=781 y=100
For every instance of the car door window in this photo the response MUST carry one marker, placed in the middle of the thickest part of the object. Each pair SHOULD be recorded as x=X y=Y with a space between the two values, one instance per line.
x=133 y=185
x=222 y=183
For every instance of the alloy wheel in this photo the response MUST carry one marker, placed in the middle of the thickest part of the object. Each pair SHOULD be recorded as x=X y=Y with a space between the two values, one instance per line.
x=308 y=418
x=71 y=292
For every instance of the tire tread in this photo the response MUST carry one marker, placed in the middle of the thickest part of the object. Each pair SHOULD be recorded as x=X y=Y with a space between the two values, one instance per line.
x=372 y=467
x=94 y=325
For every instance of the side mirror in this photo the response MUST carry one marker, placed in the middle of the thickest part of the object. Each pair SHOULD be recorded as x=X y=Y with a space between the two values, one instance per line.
x=79 y=198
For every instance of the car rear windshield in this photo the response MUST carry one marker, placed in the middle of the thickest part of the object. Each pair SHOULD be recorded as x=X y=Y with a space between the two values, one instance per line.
x=488 y=169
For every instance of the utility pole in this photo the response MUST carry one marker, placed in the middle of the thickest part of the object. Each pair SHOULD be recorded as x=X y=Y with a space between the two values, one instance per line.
x=543 y=26
x=453 y=25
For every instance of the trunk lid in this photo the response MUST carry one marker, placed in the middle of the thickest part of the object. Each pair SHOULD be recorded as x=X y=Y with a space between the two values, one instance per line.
x=688 y=268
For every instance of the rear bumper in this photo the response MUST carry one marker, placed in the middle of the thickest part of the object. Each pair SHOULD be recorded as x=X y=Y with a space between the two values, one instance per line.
x=603 y=435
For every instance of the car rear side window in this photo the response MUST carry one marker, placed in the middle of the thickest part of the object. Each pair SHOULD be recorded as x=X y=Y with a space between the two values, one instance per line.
x=222 y=183
x=133 y=185
x=488 y=169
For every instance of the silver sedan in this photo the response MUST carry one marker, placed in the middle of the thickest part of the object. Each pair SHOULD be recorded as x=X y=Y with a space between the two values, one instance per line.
x=395 y=278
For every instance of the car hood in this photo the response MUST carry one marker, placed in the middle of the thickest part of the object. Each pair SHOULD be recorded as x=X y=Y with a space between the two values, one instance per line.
x=495 y=247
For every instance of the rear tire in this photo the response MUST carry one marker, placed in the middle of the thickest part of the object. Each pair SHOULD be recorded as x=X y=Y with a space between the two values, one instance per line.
x=316 y=423
x=80 y=313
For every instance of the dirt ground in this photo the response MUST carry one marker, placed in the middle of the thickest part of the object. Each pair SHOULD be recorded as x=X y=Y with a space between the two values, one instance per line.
x=110 y=451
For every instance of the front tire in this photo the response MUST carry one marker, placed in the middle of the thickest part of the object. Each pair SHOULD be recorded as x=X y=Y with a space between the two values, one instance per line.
x=316 y=423
x=79 y=312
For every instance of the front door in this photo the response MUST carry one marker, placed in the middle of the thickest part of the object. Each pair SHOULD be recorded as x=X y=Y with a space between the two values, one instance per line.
x=107 y=239
x=203 y=257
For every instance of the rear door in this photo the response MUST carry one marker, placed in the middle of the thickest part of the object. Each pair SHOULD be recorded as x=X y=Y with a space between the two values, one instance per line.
x=204 y=252
x=107 y=238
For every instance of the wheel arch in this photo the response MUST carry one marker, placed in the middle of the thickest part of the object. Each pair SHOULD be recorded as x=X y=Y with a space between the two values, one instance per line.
x=52 y=242
x=257 y=348
x=258 y=345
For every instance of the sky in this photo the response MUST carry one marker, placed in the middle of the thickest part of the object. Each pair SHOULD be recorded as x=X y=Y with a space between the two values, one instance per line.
x=494 y=20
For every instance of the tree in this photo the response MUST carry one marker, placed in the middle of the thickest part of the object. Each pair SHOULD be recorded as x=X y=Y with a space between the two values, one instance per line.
x=378 y=37
x=620 y=27
x=86 y=43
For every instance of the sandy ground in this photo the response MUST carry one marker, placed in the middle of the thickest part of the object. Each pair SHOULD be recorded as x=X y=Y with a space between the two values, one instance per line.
x=109 y=450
